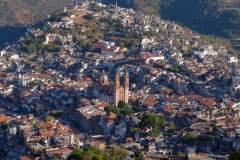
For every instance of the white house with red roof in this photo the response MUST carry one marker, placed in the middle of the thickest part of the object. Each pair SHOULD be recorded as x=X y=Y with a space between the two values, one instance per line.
x=112 y=50
x=109 y=48
x=146 y=56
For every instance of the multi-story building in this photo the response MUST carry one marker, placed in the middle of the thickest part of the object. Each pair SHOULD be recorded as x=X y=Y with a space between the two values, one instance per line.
x=88 y=117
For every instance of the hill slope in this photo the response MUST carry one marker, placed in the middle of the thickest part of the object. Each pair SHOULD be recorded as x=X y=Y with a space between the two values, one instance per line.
x=206 y=16
x=16 y=15
x=27 y=12
x=218 y=17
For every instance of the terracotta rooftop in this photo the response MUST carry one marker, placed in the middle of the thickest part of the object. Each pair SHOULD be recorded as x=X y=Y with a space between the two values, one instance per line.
x=27 y=157
x=47 y=125
x=38 y=76
x=3 y=118
x=110 y=116
x=1 y=85
x=59 y=151
x=103 y=104
x=151 y=100
x=147 y=55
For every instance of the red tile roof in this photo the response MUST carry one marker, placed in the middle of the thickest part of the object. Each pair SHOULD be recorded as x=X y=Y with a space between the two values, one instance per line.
x=59 y=151
x=27 y=157
x=3 y=118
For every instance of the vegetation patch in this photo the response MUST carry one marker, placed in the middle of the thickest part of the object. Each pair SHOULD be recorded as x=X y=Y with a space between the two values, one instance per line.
x=56 y=113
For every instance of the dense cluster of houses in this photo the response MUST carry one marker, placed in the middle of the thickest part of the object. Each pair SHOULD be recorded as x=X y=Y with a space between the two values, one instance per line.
x=48 y=106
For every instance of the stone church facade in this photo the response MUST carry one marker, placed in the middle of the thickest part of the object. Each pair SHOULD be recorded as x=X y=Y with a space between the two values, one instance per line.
x=112 y=92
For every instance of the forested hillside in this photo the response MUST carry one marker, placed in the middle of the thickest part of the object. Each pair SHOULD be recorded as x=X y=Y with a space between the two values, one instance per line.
x=206 y=16
x=16 y=15
x=218 y=17
x=26 y=12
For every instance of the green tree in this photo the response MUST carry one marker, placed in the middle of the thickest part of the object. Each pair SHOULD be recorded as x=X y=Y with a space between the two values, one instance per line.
x=109 y=21
x=139 y=155
x=55 y=18
x=94 y=153
x=96 y=31
x=171 y=125
x=134 y=44
x=108 y=28
x=90 y=17
x=39 y=68
x=32 y=83
x=152 y=120
x=121 y=44
x=181 y=154
x=127 y=110
x=89 y=47
x=190 y=136
x=31 y=48
x=113 y=109
x=55 y=158
x=32 y=121
x=150 y=33
x=153 y=133
x=56 y=113
x=135 y=109
x=132 y=131
x=47 y=119
x=76 y=154
x=128 y=42
x=118 y=20
x=113 y=154
x=83 y=43
x=122 y=104
x=40 y=46
x=177 y=69
x=54 y=48
x=122 y=110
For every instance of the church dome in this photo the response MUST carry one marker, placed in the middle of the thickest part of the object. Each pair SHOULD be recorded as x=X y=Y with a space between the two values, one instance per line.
x=104 y=78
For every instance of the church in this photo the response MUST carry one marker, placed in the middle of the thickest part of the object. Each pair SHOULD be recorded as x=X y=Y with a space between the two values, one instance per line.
x=111 y=92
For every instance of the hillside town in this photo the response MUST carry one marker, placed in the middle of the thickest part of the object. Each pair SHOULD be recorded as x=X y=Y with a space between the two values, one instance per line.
x=113 y=78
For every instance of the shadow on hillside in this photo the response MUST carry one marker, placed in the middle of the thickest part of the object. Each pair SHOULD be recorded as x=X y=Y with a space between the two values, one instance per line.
x=10 y=34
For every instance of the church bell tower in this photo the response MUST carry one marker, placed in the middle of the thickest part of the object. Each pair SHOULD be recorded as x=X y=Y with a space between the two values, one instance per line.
x=126 y=86
x=116 y=90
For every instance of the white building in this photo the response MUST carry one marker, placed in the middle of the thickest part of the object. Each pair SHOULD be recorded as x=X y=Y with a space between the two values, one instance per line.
x=233 y=60
x=206 y=51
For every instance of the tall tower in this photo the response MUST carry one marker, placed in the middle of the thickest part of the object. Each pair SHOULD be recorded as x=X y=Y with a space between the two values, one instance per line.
x=116 y=7
x=116 y=89
x=126 y=86
x=21 y=80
